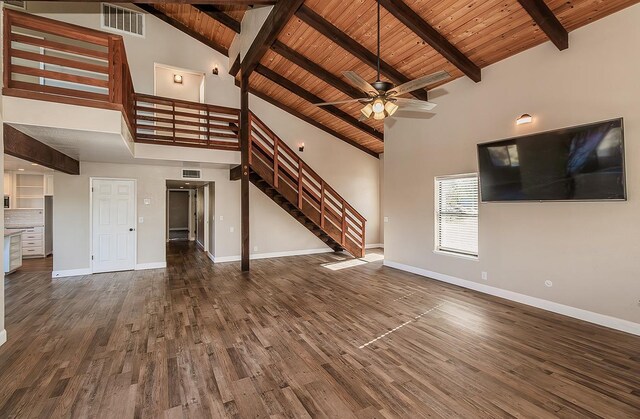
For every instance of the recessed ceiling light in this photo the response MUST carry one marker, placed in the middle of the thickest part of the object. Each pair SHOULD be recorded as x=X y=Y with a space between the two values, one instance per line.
x=35 y=164
x=22 y=170
x=177 y=78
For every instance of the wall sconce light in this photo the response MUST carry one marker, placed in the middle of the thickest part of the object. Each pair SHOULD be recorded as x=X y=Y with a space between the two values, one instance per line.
x=215 y=71
x=177 y=78
x=524 y=119
x=301 y=147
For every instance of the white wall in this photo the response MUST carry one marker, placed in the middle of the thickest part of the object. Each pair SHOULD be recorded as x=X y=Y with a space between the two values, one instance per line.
x=588 y=249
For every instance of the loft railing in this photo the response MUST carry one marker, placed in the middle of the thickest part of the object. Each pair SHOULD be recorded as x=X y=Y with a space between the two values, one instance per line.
x=279 y=165
x=176 y=122
x=48 y=60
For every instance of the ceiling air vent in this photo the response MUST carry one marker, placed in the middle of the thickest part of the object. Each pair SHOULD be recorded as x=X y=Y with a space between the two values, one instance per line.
x=16 y=4
x=191 y=174
x=121 y=19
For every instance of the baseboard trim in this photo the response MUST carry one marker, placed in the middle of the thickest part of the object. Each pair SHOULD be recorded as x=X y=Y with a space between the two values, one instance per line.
x=153 y=265
x=3 y=337
x=71 y=272
x=576 y=313
x=257 y=256
x=374 y=246
x=210 y=256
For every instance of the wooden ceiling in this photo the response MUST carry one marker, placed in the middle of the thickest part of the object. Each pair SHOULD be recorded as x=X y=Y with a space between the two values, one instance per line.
x=481 y=32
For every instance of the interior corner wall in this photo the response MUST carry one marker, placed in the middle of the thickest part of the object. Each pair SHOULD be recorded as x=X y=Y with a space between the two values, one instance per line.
x=3 y=333
x=589 y=250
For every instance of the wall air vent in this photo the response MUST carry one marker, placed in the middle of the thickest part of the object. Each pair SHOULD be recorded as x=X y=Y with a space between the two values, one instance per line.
x=123 y=20
x=16 y=4
x=191 y=174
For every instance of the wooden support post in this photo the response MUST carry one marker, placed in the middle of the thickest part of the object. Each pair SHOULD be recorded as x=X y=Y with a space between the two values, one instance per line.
x=244 y=179
x=322 y=205
x=344 y=224
x=276 y=165
x=300 y=187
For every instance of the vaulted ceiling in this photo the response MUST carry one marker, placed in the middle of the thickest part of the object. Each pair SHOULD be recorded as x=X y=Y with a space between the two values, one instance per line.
x=325 y=37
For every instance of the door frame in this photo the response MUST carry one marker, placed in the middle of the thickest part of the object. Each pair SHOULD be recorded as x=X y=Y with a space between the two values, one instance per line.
x=135 y=213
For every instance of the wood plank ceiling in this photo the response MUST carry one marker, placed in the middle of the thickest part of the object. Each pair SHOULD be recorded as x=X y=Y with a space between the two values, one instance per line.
x=484 y=31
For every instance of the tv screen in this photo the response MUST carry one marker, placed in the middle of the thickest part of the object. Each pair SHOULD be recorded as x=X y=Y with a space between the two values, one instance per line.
x=580 y=163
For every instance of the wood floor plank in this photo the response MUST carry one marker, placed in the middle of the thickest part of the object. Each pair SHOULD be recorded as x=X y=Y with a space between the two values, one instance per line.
x=311 y=336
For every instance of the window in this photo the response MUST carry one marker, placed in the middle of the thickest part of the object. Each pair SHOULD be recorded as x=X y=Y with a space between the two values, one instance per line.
x=457 y=214
x=121 y=19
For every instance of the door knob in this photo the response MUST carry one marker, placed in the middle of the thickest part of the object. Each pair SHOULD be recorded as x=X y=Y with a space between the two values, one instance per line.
x=132 y=229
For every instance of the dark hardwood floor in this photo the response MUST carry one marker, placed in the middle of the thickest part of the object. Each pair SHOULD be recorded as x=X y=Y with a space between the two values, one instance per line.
x=299 y=337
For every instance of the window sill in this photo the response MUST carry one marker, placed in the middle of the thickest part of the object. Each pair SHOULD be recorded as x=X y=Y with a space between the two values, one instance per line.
x=456 y=255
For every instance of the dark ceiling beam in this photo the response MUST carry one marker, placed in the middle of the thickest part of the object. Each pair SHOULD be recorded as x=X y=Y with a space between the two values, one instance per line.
x=182 y=27
x=548 y=22
x=216 y=13
x=428 y=34
x=218 y=2
x=310 y=120
x=327 y=29
x=279 y=16
x=311 y=98
x=25 y=147
x=235 y=67
x=313 y=68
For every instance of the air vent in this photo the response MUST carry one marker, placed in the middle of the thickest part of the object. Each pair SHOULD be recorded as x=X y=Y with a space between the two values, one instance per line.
x=16 y=4
x=191 y=174
x=121 y=19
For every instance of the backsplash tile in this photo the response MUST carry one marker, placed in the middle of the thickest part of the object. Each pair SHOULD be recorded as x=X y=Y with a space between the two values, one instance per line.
x=23 y=218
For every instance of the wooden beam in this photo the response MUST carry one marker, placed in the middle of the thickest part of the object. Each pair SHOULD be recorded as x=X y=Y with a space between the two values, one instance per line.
x=310 y=121
x=218 y=2
x=219 y=15
x=22 y=146
x=548 y=22
x=350 y=45
x=235 y=68
x=280 y=15
x=311 y=98
x=182 y=27
x=313 y=68
x=420 y=27
x=244 y=178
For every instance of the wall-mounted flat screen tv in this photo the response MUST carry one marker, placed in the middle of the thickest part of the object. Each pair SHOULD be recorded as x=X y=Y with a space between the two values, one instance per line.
x=579 y=163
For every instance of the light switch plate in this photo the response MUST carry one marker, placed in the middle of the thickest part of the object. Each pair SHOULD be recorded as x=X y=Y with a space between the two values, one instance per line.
x=147 y=201
x=386 y=219
x=222 y=218
x=232 y=229
x=140 y=220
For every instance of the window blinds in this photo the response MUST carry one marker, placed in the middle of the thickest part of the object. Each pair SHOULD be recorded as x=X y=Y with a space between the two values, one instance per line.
x=457 y=214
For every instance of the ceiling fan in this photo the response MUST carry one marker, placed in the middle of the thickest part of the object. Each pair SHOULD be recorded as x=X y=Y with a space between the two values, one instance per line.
x=382 y=97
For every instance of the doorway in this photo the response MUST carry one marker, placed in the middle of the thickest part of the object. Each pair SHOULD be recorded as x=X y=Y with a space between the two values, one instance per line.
x=179 y=214
x=113 y=225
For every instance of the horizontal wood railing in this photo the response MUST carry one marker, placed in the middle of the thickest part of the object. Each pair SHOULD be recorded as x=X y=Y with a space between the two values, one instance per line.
x=176 y=122
x=279 y=165
x=48 y=60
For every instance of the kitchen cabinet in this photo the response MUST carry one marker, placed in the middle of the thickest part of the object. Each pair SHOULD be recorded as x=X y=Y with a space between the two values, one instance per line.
x=12 y=250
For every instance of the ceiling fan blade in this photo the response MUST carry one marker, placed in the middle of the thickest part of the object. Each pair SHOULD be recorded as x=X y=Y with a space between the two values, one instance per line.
x=419 y=105
x=360 y=83
x=340 y=102
x=419 y=83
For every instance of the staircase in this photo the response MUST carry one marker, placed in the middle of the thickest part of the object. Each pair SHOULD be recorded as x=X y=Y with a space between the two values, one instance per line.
x=284 y=177
x=97 y=75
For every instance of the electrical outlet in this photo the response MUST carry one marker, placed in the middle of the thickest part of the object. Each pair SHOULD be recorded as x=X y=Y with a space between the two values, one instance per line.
x=485 y=276
x=255 y=248
x=548 y=283
x=386 y=219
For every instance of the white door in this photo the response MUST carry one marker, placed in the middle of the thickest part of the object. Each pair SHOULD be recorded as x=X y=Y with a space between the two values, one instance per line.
x=114 y=222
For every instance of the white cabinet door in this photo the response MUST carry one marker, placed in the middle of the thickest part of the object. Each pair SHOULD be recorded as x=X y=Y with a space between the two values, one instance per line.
x=113 y=225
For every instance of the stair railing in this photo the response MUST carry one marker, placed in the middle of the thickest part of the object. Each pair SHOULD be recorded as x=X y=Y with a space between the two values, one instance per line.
x=161 y=120
x=279 y=165
x=48 y=60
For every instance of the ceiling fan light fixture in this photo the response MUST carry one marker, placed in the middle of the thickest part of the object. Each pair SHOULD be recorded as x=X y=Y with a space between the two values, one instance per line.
x=390 y=108
x=379 y=116
x=367 y=111
x=378 y=106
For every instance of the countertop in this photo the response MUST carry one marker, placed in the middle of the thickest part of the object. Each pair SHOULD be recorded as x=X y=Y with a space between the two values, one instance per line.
x=12 y=232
